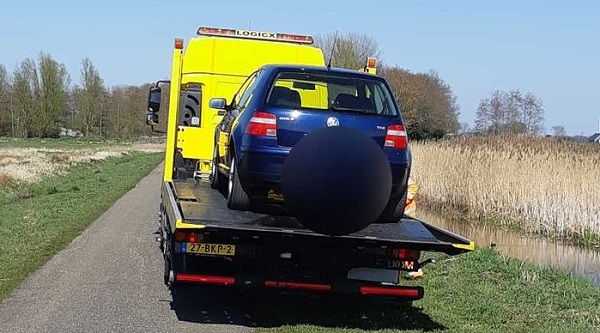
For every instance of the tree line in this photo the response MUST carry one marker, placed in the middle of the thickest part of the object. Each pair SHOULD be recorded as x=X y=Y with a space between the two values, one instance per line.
x=38 y=100
x=511 y=112
x=429 y=106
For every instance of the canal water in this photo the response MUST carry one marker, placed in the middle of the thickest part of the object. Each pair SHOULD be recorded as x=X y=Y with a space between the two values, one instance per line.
x=536 y=250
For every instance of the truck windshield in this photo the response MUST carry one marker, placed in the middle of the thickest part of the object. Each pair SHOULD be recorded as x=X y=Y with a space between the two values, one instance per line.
x=317 y=91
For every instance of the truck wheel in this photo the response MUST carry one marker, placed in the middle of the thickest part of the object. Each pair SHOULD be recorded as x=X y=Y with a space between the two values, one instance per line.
x=214 y=171
x=237 y=198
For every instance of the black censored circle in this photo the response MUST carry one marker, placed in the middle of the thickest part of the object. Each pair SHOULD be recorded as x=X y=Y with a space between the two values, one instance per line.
x=336 y=181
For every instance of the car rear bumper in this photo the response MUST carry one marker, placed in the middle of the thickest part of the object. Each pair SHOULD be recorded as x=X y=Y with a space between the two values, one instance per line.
x=260 y=167
x=264 y=167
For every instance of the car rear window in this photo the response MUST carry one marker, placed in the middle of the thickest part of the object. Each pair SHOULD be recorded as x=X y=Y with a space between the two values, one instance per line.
x=338 y=93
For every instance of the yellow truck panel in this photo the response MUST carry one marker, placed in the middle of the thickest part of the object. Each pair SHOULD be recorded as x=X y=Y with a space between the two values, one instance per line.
x=211 y=62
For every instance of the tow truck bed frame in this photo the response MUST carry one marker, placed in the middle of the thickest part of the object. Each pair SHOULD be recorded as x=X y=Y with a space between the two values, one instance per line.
x=276 y=252
x=198 y=206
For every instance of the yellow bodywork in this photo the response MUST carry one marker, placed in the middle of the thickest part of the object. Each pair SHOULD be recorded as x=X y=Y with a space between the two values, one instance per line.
x=172 y=121
x=219 y=66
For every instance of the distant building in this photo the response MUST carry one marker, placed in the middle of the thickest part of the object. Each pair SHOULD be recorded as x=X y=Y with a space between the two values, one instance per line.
x=594 y=138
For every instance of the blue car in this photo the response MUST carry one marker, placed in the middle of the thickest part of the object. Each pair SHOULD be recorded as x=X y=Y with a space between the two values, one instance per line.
x=278 y=105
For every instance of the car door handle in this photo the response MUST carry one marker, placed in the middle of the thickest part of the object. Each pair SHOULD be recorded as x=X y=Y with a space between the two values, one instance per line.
x=221 y=112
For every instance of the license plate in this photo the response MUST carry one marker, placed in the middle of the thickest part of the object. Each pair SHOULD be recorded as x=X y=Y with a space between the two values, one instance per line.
x=207 y=248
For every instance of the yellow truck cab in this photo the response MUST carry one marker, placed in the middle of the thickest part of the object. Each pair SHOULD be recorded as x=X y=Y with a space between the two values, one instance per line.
x=214 y=64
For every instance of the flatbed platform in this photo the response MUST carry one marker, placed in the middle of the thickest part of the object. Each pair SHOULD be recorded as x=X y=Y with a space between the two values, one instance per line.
x=199 y=206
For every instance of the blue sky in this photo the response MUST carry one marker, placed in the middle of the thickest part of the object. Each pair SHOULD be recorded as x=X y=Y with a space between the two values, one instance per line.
x=550 y=48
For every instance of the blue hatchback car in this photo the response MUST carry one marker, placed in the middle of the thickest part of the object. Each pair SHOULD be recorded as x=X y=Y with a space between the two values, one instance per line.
x=278 y=105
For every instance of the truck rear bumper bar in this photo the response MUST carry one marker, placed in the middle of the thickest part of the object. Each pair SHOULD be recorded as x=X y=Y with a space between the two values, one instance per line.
x=404 y=292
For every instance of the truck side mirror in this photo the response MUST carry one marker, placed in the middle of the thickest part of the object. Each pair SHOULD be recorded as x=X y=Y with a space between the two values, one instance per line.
x=152 y=119
x=154 y=99
x=220 y=104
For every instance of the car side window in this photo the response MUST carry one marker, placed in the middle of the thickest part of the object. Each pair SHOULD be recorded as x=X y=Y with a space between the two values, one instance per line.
x=241 y=95
x=247 y=95
x=380 y=101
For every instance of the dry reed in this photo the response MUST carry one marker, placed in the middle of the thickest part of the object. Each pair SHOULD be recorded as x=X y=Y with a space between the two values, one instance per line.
x=544 y=185
x=32 y=164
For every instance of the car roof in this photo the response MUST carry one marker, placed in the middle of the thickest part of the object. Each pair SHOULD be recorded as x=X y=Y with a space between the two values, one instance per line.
x=321 y=70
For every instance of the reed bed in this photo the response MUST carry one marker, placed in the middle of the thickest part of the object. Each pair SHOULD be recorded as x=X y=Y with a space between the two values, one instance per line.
x=541 y=185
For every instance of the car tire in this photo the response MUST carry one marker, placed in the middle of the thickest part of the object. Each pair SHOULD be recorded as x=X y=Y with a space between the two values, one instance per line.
x=394 y=211
x=214 y=171
x=237 y=198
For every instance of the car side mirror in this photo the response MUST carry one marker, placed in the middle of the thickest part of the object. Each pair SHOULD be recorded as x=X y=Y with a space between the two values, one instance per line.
x=220 y=104
x=154 y=99
x=152 y=119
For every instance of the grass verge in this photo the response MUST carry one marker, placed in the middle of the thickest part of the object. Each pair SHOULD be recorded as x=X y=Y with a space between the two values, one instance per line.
x=38 y=220
x=71 y=143
x=482 y=291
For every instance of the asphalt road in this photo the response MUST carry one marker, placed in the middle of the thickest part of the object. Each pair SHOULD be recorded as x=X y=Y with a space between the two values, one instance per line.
x=109 y=279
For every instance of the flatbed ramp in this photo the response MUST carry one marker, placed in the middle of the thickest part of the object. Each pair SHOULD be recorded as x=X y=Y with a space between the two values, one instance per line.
x=197 y=205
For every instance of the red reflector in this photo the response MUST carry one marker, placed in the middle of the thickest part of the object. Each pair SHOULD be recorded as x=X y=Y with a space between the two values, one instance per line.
x=396 y=137
x=206 y=279
x=298 y=285
x=262 y=124
x=392 y=291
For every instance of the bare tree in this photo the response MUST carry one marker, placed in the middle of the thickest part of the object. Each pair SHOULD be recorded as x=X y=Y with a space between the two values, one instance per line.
x=90 y=100
x=5 y=95
x=24 y=101
x=510 y=112
x=51 y=96
x=351 y=50
x=533 y=114
x=559 y=131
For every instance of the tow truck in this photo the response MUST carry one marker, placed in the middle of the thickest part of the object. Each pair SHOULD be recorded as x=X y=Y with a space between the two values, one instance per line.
x=204 y=242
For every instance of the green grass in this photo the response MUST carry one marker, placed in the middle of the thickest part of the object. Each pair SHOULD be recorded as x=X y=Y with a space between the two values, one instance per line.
x=38 y=220
x=477 y=292
x=70 y=143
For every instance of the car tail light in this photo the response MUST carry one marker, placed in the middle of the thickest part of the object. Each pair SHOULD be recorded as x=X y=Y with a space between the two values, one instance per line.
x=396 y=137
x=262 y=124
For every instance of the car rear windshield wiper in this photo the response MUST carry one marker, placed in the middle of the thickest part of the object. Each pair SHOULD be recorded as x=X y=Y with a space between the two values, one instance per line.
x=337 y=108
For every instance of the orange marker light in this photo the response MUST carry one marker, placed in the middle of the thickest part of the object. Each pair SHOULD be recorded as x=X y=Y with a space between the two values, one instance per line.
x=371 y=62
x=179 y=43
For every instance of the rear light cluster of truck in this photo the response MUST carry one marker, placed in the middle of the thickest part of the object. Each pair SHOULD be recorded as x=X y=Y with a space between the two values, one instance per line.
x=262 y=124
x=189 y=237
x=396 y=137
x=404 y=254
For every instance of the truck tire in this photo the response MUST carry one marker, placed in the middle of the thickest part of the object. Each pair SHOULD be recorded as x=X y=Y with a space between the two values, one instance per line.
x=237 y=198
